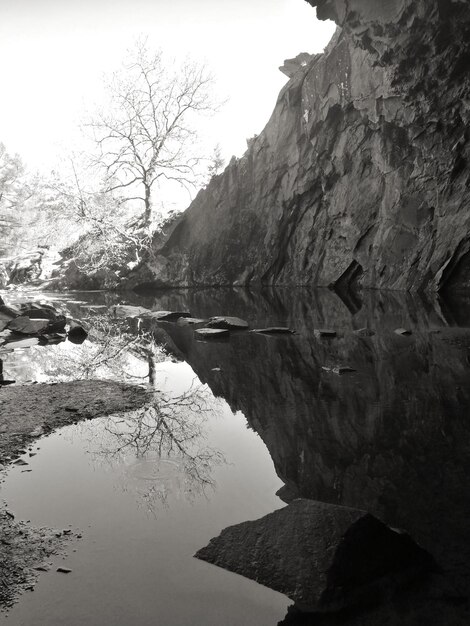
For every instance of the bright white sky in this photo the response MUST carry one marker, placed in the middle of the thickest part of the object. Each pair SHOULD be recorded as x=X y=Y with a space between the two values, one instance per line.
x=53 y=54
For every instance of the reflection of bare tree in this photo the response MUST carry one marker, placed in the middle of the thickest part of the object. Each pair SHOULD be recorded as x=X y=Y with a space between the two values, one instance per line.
x=114 y=342
x=162 y=446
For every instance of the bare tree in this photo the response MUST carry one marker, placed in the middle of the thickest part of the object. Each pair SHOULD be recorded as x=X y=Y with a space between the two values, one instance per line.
x=149 y=133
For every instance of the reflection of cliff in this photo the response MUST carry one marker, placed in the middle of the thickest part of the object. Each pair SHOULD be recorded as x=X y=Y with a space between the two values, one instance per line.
x=361 y=174
x=392 y=438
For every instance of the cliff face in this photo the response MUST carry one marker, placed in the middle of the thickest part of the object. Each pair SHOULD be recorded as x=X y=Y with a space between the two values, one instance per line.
x=360 y=176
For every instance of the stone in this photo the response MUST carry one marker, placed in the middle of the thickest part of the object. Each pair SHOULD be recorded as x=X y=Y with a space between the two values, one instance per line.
x=190 y=321
x=39 y=311
x=64 y=570
x=402 y=331
x=8 y=313
x=22 y=343
x=27 y=326
x=211 y=333
x=231 y=323
x=126 y=310
x=324 y=332
x=76 y=332
x=274 y=330
x=324 y=557
x=166 y=316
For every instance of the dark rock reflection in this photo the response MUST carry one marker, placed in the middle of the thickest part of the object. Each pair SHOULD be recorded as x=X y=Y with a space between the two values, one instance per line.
x=392 y=438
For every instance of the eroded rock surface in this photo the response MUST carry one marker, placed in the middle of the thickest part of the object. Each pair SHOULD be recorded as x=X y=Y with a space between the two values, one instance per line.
x=361 y=175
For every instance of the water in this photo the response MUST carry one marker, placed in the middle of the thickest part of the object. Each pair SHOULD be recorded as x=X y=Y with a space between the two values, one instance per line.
x=392 y=437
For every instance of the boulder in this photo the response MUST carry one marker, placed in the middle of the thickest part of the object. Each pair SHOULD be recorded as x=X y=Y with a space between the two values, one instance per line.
x=323 y=556
x=76 y=333
x=231 y=323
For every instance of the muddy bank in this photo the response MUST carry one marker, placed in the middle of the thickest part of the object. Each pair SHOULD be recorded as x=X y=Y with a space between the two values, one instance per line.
x=24 y=552
x=26 y=413
x=30 y=411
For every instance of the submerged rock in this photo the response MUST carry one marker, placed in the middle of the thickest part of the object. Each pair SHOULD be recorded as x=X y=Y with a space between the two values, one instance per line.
x=323 y=556
x=230 y=323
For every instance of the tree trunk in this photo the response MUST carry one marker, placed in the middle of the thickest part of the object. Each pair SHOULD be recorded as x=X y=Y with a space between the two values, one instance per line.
x=148 y=207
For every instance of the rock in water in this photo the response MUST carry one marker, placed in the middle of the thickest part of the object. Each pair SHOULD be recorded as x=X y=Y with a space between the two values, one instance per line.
x=211 y=333
x=274 y=330
x=167 y=316
x=325 y=332
x=232 y=323
x=190 y=321
x=322 y=556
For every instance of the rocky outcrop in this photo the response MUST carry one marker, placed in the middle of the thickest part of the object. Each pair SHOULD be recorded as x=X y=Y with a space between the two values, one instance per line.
x=361 y=175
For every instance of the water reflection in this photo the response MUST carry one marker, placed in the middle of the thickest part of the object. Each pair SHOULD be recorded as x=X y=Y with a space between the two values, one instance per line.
x=160 y=450
x=393 y=437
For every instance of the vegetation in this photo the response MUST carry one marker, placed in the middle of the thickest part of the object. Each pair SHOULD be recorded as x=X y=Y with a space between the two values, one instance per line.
x=102 y=206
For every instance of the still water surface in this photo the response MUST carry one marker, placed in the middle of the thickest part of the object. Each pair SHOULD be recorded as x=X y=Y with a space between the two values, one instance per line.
x=264 y=420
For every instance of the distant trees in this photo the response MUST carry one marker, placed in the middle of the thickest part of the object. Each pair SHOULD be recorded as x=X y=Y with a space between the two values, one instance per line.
x=148 y=133
x=12 y=195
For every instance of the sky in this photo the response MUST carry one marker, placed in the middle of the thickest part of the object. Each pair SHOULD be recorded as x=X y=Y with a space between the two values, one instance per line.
x=53 y=54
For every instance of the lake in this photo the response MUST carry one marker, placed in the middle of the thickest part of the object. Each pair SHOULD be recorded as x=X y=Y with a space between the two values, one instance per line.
x=250 y=423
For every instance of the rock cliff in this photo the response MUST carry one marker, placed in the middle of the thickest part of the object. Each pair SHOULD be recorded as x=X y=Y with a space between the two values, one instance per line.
x=360 y=176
